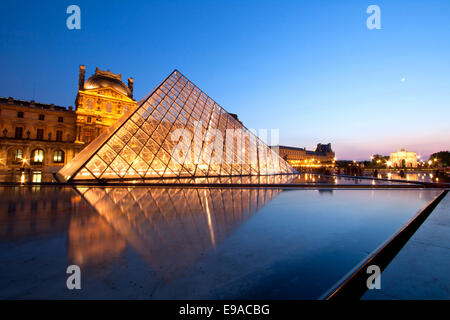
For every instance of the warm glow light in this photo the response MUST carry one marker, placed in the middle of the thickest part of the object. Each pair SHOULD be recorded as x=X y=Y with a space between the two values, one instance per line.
x=118 y=161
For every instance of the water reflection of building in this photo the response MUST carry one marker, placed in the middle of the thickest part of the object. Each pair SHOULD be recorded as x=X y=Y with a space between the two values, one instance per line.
x=39 y=136
x=170 y=228
x=403 y=159
x=35 y=212
x=39 y=212
x=173 y=228
x=93 y=242
x=322 y=156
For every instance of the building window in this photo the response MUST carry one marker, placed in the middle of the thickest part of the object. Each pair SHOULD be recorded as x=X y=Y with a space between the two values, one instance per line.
x=37 y=156
x=87 y=135
x=60 y=119
x=89 y=104
x=18 y=155
x=19 y=133
x=119 y=109
x=59 y=135
x=58 y=157
x=108 y=107
x=89 y=119
x=40 y=134
x=41 y=117
x=20 y=114
x=125 y=109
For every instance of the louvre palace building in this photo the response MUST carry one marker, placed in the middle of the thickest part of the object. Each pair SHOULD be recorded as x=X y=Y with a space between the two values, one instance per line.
x=44 y=137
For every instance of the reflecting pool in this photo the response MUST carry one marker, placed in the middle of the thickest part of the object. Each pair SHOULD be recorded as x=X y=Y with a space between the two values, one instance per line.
x=187 y=243
x=38 y=177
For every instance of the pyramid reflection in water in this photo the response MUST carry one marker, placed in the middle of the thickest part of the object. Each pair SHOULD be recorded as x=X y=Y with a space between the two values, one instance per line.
x=172 y=228
x=176 y=131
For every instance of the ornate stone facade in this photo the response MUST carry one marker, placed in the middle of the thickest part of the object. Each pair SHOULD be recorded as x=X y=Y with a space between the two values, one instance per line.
x=44 y=137
x=100 y=102
x=36 y=135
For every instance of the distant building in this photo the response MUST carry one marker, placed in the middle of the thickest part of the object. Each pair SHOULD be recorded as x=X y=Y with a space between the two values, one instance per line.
x=323 y=155
x=403 y=159
x=45 y=137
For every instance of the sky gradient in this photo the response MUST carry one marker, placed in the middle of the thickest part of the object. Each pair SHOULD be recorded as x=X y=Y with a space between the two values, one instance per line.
x=311 y=69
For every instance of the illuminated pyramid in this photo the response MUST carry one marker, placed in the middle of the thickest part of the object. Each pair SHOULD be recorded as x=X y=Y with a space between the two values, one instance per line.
x=175 y=131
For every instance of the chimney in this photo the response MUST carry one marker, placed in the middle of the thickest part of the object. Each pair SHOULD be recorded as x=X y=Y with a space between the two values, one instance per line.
x=81 y=77
x=130 y=85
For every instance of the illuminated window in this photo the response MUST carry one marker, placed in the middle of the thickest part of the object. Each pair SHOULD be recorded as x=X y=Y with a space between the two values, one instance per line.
x=108 y=107
x=37 y=156
x=89 y=104
x=37 y=176
x=18 y=155
x=58 y=157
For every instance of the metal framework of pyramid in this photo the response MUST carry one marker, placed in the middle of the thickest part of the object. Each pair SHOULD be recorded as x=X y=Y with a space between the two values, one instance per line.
x=147 y=144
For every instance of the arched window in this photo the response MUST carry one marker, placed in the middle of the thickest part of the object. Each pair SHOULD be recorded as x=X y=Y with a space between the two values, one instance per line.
x=89 y=104
x=18 y=155
x=58 y=156
x=108 y=107
x=37 y=156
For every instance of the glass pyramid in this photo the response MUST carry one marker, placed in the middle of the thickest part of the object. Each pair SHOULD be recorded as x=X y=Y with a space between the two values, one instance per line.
x=176 y=131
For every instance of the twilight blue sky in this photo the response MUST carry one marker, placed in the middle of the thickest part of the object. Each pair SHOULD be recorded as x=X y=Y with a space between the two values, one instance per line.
x=311 y=69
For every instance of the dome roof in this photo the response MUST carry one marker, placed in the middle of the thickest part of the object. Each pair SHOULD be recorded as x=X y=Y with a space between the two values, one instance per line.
x=105 y=79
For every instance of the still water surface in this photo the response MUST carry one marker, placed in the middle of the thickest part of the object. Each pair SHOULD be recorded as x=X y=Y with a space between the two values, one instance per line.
x=183 y=243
